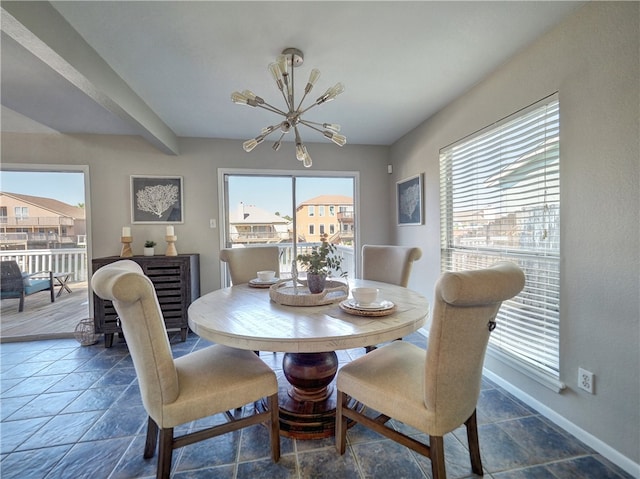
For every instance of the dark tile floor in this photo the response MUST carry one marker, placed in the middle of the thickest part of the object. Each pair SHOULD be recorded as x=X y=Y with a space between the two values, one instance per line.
x=69 y=411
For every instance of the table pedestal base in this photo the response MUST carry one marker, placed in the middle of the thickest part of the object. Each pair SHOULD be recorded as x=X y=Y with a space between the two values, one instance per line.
x=307 y=396
x=307 y=400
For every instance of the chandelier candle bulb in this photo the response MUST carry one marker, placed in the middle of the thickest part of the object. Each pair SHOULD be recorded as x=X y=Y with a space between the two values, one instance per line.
x=313 y=78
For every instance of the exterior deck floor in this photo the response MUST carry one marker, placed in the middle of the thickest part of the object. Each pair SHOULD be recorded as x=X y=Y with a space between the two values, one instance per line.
x=42 y=319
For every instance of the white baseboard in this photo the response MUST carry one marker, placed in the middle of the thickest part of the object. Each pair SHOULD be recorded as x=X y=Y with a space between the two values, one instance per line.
x=590 y=440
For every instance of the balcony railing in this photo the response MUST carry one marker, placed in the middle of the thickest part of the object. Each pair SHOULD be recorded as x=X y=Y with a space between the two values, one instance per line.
x=287 y=257
x=39 y=221
x=72 y=260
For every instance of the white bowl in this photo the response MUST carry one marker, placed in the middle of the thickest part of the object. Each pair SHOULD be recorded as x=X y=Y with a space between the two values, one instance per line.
x=266 y=275
x=365 y=296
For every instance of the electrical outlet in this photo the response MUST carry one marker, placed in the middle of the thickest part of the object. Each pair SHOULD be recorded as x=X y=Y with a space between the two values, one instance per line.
x=585 y=380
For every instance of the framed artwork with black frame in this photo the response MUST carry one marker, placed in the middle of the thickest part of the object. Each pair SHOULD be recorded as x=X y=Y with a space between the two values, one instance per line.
x=157 y=199
x=409 y=201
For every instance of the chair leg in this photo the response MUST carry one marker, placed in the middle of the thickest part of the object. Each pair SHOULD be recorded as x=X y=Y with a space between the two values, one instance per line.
x=152 y=439
x=474 y=443
x=436 y=445
x=275 y=427
x=341 y=423
x=166 y=451
x=52 y=287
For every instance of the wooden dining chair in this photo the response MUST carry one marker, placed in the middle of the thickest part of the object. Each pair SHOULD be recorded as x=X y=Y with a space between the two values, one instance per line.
x=435 y=391
x=216 y=379
x=388 y=264
x=244 y=263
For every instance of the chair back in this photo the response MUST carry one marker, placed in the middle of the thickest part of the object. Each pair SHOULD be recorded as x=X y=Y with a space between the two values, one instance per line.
x=136 y=303
x=10 y=277
x=389 y=264
x=465 y=304
x=244 y=263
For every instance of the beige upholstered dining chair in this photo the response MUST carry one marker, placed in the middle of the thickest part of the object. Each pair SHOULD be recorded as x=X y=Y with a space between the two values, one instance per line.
x=213 y=380
x=244 y=263
x=435 y=391
x=389 y=264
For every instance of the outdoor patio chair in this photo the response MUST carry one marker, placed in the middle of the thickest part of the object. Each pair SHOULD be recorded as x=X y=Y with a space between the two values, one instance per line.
x=16 y=284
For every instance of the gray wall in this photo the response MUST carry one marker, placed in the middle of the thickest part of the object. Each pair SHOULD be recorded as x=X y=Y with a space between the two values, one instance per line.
x=112 y=159
x=592 y=60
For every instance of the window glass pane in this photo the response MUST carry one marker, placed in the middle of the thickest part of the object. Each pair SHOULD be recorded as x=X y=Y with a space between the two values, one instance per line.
x=260 y=210
x=500 y=199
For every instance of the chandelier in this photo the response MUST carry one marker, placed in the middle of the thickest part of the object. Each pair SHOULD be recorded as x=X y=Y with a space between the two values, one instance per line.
x=282 y=71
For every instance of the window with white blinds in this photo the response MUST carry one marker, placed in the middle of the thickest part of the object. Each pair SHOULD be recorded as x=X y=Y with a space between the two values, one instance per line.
x=500 y=199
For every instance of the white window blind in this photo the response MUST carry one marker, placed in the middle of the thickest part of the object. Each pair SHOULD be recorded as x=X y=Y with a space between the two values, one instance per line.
x=500 y=199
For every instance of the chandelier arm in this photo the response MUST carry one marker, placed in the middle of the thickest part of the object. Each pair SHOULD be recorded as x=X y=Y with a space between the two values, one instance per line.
x=301 y=101
x=271 y=108
x=270 y=129
x=292 y=87
x=308 y=108
x=285 y=94
x=324 y=125
x=310 y=125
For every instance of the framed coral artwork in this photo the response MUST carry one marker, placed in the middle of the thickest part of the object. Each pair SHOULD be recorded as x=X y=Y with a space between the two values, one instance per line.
x=409 y=199
x=156 y=199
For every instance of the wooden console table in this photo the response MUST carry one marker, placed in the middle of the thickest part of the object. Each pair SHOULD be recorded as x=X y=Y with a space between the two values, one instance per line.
x=176 y=280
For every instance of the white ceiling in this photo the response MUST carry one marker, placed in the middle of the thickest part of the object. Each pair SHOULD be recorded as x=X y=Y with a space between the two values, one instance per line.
x=172 y=65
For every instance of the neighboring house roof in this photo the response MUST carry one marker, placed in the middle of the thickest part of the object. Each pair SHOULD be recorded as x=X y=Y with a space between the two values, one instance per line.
x=329 y=200
x=55 y=206
x=249 y=214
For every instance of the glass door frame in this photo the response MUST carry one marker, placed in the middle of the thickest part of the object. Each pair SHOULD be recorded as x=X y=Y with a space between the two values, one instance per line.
x=223 y=206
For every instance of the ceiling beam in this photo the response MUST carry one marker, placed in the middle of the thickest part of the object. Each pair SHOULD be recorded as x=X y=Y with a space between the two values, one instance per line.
x=40 y=29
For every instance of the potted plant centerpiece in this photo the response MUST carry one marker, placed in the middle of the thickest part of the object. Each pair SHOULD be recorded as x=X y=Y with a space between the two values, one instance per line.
x=319 y=263
x=149 y=248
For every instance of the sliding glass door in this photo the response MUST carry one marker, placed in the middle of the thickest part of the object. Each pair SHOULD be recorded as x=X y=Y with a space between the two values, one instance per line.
x=292 y=211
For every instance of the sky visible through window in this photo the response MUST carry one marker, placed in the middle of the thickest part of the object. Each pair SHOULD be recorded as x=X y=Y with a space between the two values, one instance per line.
x=273 y=194
x=62 y=186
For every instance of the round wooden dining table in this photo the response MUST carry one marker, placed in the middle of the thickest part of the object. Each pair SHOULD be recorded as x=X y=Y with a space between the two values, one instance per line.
x=245 y=317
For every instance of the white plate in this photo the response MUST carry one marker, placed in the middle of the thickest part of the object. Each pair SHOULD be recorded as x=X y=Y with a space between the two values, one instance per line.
x=377 y=306
x=268 y=281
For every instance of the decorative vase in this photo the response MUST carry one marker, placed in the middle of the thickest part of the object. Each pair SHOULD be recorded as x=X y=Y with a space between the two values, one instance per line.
x=316 y=282
x=149 y=251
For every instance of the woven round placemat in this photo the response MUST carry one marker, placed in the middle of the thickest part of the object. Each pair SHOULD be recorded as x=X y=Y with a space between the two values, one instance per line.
x=370 y=313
